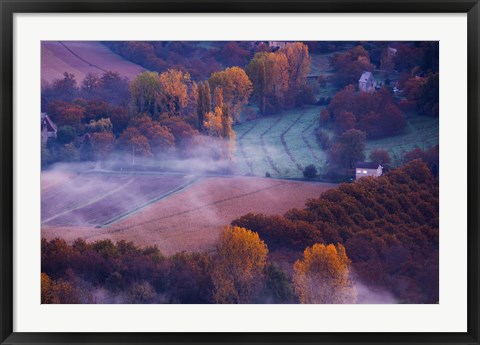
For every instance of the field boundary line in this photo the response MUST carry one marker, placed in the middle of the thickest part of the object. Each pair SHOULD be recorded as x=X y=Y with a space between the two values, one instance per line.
x=80 y=58
x=90 y=202
x=264 y=148
x=196 y=208
x=148 y=203
x=309 y=145
x=284 y=143
x=242 y=151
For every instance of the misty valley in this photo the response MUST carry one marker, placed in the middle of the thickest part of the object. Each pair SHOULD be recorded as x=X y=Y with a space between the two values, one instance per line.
x=239 y=172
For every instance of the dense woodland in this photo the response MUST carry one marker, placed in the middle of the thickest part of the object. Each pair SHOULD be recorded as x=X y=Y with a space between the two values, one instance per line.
x=378 y=232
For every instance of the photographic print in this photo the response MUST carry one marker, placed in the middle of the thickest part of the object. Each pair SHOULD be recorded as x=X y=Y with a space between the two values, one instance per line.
x=253 y=172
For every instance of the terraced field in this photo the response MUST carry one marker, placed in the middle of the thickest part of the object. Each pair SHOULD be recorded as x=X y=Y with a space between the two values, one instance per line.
x=281 y=145
x=284 y=144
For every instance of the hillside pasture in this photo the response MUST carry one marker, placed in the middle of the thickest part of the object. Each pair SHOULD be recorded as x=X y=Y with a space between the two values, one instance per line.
x=421 y=131
x=191 y=219
x=80 y=58
x=284 y=144
x=281 y=144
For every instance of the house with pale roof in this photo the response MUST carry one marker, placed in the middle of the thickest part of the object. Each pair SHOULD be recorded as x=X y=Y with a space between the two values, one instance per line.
x=367 y=82
x=364 y=169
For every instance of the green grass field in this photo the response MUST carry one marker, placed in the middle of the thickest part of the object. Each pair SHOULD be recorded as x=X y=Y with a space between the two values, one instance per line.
x=284 y=144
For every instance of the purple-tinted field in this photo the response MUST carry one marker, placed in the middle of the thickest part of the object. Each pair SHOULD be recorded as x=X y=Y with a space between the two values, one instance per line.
x=80 y=58
x=94 y=199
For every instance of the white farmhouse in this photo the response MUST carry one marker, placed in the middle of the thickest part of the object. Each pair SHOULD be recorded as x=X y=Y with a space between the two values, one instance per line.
x=367 y=82
x=364 y=169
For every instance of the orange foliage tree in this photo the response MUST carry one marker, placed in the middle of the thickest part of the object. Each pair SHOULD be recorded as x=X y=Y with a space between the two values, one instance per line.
x=57 y=291
x=322 y=276
x=72 y=115
x=173 y=96
x=238 y=271
x=103 y=144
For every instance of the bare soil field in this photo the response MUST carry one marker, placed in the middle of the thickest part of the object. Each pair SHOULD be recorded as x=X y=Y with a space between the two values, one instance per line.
x=190 y=220
x=80 y=58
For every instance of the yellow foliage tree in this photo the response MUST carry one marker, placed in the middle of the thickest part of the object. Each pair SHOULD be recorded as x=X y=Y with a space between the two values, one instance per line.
x=239 y=268
x=219 y=124
x=269 y=74
x=322 y=276
x=144 y=91
x=236 y=86
x=298 y=69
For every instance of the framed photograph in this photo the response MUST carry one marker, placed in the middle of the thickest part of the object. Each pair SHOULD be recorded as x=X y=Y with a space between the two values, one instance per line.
x=239 y=172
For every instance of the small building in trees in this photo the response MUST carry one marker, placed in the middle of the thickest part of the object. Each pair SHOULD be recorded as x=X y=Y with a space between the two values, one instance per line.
x=392 y=52
x=364 y=169
x=277 y=44
x=367 y=82
x=49 y=129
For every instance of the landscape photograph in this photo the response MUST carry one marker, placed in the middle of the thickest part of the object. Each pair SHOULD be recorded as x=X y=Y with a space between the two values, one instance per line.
x=239 y=172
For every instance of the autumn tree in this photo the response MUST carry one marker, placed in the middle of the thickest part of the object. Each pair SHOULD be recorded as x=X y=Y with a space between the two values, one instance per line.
x=218 y=124
x=322 y=275
x=57 y=291
x=235 y=55
x=324 y=116
x=349 y=149
x=375 y=113
x=101 y=125
x=350 y=65
x=183 y=133
x=172 y=97
x=65 y=88
x=344 y=121
x=144 y=90
x=131 y=139
x=269 y=74
x=298 y=62
x=238 y=271
x=103 y=144
x=90 y=83
x=236 y=87
x=72 y=115
x=159 y=137
x=380 y=156
x=114 y=89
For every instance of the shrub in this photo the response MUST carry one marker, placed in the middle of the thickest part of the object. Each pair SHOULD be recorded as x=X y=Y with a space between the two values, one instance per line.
x=310 y=171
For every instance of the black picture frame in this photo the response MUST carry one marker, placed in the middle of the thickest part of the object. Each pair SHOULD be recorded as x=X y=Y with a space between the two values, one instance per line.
x=7 y=174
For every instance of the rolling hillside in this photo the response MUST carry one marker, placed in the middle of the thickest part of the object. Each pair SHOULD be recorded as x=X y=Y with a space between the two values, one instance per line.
x=80 y=58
